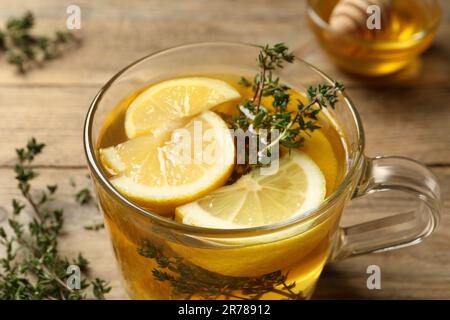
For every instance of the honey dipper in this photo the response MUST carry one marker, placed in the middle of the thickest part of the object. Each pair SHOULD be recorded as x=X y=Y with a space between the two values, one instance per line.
x=350 y=16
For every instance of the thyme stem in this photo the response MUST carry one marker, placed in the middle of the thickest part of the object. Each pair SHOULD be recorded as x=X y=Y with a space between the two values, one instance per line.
x=293 y=126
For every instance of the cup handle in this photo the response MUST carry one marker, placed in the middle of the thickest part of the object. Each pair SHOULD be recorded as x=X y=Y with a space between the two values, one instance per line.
x=400 y=230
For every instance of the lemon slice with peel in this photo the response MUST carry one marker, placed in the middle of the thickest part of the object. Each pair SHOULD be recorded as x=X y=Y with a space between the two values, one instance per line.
x=256 y=199
x=130 y=155
x=156 y=108
x=178 y=171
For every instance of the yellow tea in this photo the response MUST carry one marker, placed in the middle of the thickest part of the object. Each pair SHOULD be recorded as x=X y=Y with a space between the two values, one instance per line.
x=157 y=266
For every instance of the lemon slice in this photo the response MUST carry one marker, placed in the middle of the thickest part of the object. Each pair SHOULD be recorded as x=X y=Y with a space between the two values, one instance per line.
x=131 y=154
x=256 y=199
x=195 y=160
x=155 y=109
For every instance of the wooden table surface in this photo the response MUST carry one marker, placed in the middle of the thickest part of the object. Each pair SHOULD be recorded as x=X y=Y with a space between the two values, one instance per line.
x=407 y=114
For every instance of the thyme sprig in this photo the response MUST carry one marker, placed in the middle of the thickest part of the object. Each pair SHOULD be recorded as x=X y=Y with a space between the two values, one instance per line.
x=32 y=267
x=25 y=50
x=186 y=280
x=293 y=125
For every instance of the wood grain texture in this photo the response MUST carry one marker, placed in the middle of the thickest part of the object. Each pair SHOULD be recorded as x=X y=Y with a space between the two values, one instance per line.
x=115 y=36
x=406 y=114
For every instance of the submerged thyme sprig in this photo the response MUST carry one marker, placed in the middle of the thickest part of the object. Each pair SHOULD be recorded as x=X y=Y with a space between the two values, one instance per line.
x=186 y=280
x=292 y=125
x=32 y=267
x=26 y=50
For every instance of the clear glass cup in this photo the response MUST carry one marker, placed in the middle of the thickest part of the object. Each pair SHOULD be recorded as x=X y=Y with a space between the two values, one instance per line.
x=162 y=259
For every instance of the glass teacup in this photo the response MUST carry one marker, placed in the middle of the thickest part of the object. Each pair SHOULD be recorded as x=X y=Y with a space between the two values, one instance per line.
x=163 y=259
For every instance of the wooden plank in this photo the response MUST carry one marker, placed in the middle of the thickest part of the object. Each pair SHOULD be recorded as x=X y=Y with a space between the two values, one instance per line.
x=114 y=37
x=391 y=117
x=53 y=115
x=416 y=272
x=407 y=122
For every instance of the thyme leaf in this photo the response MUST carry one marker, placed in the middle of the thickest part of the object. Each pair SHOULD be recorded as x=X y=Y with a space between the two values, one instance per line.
x=84 y=196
